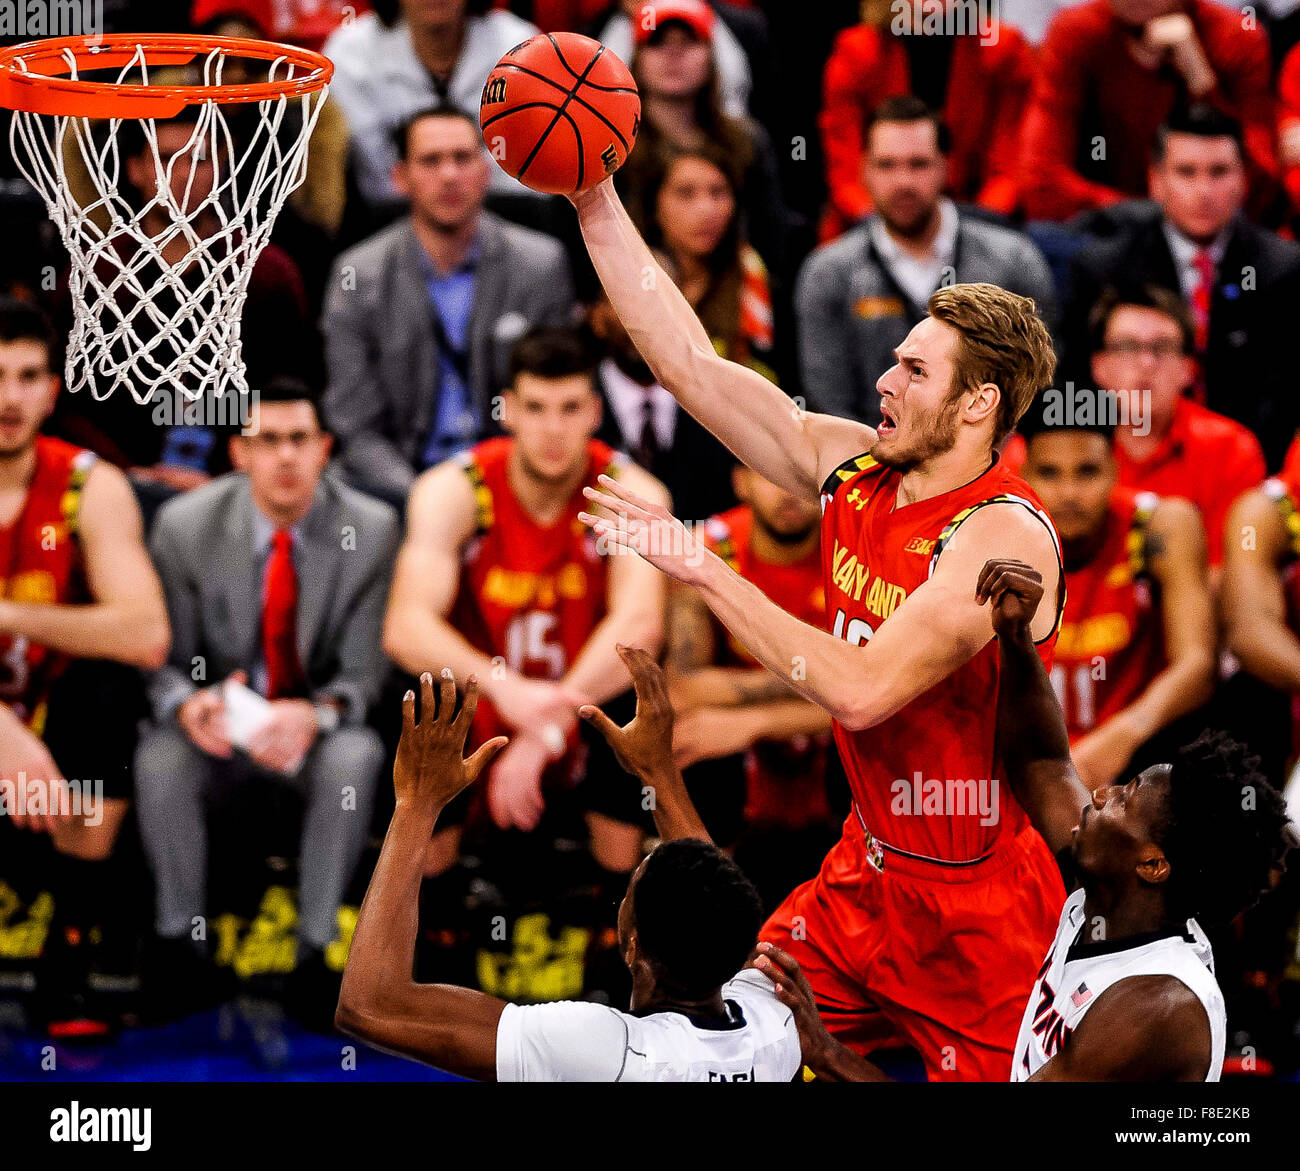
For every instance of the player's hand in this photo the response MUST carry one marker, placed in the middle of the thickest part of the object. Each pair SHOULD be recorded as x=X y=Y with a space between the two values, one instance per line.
x=202 y=718
x=514 y=793
x=1015 y=589
x=647 y=529
x=282 y=742
x=24 y=760
x=430 y=768
x=1175 y=36
x=644 y=746
x=708 y=733
x=794 y=991
x=530 y=705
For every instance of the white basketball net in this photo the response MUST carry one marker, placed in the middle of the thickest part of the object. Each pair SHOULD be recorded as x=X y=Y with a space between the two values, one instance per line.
x=141 y=321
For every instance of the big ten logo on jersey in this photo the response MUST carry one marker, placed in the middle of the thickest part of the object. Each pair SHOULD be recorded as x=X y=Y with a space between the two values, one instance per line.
x=715 y=1076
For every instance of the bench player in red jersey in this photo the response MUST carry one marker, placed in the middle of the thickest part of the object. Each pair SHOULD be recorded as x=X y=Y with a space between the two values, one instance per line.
x=930 y=887
x=498 y=578
x=1136 y=648
x=730 y=706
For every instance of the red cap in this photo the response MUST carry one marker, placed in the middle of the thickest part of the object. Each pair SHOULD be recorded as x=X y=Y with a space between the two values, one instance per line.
x=653 y=15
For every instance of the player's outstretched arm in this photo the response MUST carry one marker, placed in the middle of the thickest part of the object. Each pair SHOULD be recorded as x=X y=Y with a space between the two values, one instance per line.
x=1142 y=1029
x=1031 y=735
x=452 y=1028
x=645 y=747
x=936 y=630
x=755 y=419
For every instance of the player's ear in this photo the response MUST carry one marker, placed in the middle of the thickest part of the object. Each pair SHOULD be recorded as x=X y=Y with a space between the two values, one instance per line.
x=983 y=401
x=236 y=451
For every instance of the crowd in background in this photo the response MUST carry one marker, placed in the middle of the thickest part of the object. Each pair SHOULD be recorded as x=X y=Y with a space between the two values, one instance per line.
x=808 y=175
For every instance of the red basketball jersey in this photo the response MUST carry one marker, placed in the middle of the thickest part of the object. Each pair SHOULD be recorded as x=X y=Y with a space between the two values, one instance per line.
x=41 y=563
x=786 y=779
x=875 y=555
x=529 y=594
x=1112 y=641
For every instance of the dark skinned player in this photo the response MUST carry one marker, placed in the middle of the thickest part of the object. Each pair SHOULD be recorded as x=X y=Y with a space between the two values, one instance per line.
x=1127 y=991
x=686 y=927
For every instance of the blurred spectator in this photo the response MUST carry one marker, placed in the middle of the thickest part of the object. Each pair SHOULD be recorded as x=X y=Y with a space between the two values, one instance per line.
x=1288 y=125
x=1241 y=281
x=438 y=54
x=79 y=598
x=858 y=297
x=296 y=22
x=321 y=198
x=497 y=578
x=1261 y=587
x=1142 y=353
x=163 y=454
x=731 y=711
x=978 y=78
x=264 y=593
x=1136 y=644
x=420 y=318
x=694 y=226
x=674 y=64
x=1111 y=71
x=634 y=20
x=643 y=419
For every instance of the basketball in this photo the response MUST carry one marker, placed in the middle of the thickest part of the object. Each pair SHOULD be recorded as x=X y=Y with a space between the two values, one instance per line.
x=560 y=112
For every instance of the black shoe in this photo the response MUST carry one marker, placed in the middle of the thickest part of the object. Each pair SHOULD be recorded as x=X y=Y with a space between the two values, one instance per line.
x=177 y=980
x=311 y=993
x=63 y=1006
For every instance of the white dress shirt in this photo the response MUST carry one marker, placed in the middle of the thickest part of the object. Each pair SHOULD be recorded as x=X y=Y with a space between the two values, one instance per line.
x=627 y=399
x=918 y=277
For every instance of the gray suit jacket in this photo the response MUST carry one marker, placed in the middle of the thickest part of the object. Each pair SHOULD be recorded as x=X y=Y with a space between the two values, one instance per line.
x=202 y=545
x=852 y=313
x=379 y=339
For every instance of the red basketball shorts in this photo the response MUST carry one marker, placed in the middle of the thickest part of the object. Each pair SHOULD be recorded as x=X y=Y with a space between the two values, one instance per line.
x=916 y=954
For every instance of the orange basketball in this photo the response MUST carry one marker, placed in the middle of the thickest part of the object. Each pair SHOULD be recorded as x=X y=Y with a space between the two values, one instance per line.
x=560 y=112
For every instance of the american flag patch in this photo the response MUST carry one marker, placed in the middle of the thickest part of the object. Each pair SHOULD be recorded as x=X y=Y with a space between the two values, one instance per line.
x=1081 y=995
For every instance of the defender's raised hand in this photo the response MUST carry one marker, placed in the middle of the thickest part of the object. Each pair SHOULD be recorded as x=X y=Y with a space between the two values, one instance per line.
x=1015 y=589
x=644 y=747
x=430 y=768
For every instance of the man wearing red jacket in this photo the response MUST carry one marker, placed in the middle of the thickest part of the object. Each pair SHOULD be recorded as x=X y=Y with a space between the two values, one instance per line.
x=979 y=83
x=1110 y=72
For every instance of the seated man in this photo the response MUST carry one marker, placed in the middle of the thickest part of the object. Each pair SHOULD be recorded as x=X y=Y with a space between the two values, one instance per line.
x=275 y=578
x=79 y=598
x=686 y=926
x=498 y=577
x=1136 y=648
x=1127 y=991
x=858 y=297
x=1141 y=345
x=419 y=319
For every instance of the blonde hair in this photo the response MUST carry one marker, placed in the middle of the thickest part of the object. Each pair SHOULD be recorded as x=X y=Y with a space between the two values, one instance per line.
x=1003 y=341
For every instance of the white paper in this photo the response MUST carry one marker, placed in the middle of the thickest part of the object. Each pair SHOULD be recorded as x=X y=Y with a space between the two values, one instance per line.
x=247 y=713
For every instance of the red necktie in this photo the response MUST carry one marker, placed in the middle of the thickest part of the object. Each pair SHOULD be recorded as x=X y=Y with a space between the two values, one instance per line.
x=280 y=620
x=1201 y=296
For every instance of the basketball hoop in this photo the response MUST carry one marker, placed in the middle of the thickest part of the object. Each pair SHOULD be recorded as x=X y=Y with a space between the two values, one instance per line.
x=158 y=289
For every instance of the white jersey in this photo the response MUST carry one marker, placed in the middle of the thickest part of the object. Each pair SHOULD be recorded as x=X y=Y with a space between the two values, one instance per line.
x=1074 y=975
x=572 y=1041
